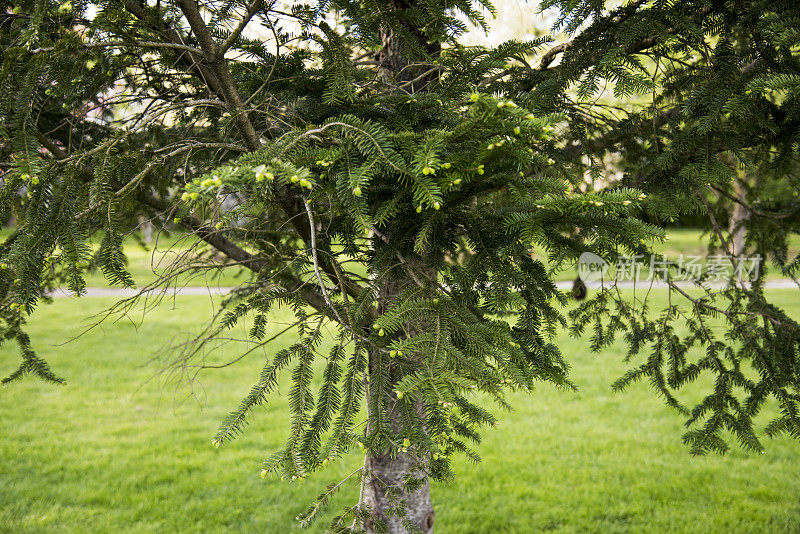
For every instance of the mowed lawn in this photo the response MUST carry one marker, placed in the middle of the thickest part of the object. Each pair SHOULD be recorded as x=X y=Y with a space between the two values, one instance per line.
x=114 y=451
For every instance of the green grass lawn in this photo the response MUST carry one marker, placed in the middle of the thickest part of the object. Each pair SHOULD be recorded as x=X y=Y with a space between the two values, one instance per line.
x=115 y=452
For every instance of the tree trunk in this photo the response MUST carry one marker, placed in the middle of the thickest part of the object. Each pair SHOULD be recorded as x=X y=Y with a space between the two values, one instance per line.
x=383 y=485
x=739 y=214
x=383 y=489
x=146 y=227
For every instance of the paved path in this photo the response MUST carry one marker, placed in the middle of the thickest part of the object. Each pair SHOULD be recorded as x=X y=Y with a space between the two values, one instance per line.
x=206 y=291
x=781 y=283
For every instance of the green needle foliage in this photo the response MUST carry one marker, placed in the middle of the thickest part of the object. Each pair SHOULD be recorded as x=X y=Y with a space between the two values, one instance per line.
x=389 y=185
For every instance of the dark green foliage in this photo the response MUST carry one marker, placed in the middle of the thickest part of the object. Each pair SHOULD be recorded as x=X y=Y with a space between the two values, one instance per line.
x=390 y=185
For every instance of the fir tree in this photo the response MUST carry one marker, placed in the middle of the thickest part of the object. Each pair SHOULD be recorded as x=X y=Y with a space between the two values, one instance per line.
x=388 y=184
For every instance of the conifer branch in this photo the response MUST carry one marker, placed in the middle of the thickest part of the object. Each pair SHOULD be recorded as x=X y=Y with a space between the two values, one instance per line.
x=218 y=64
x=123 y=44
x=194 y=62
x=252 y=9
x=207 y=234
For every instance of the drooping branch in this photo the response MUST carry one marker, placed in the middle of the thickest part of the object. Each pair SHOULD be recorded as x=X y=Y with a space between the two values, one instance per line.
x=207 y=234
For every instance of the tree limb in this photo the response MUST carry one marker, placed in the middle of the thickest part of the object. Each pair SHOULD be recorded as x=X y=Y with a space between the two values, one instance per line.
x=254 y=8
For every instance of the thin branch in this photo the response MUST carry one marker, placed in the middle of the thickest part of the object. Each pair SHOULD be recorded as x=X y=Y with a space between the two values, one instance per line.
x=751 y=209
x=114 y=44
x=254 y=8
x=195 y=63
x=322 y=287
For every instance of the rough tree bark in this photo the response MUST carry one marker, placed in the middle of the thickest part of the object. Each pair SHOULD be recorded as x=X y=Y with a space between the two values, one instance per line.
x=738 y=216
x=383 y=489
x=385 y=474
x=738 y=212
